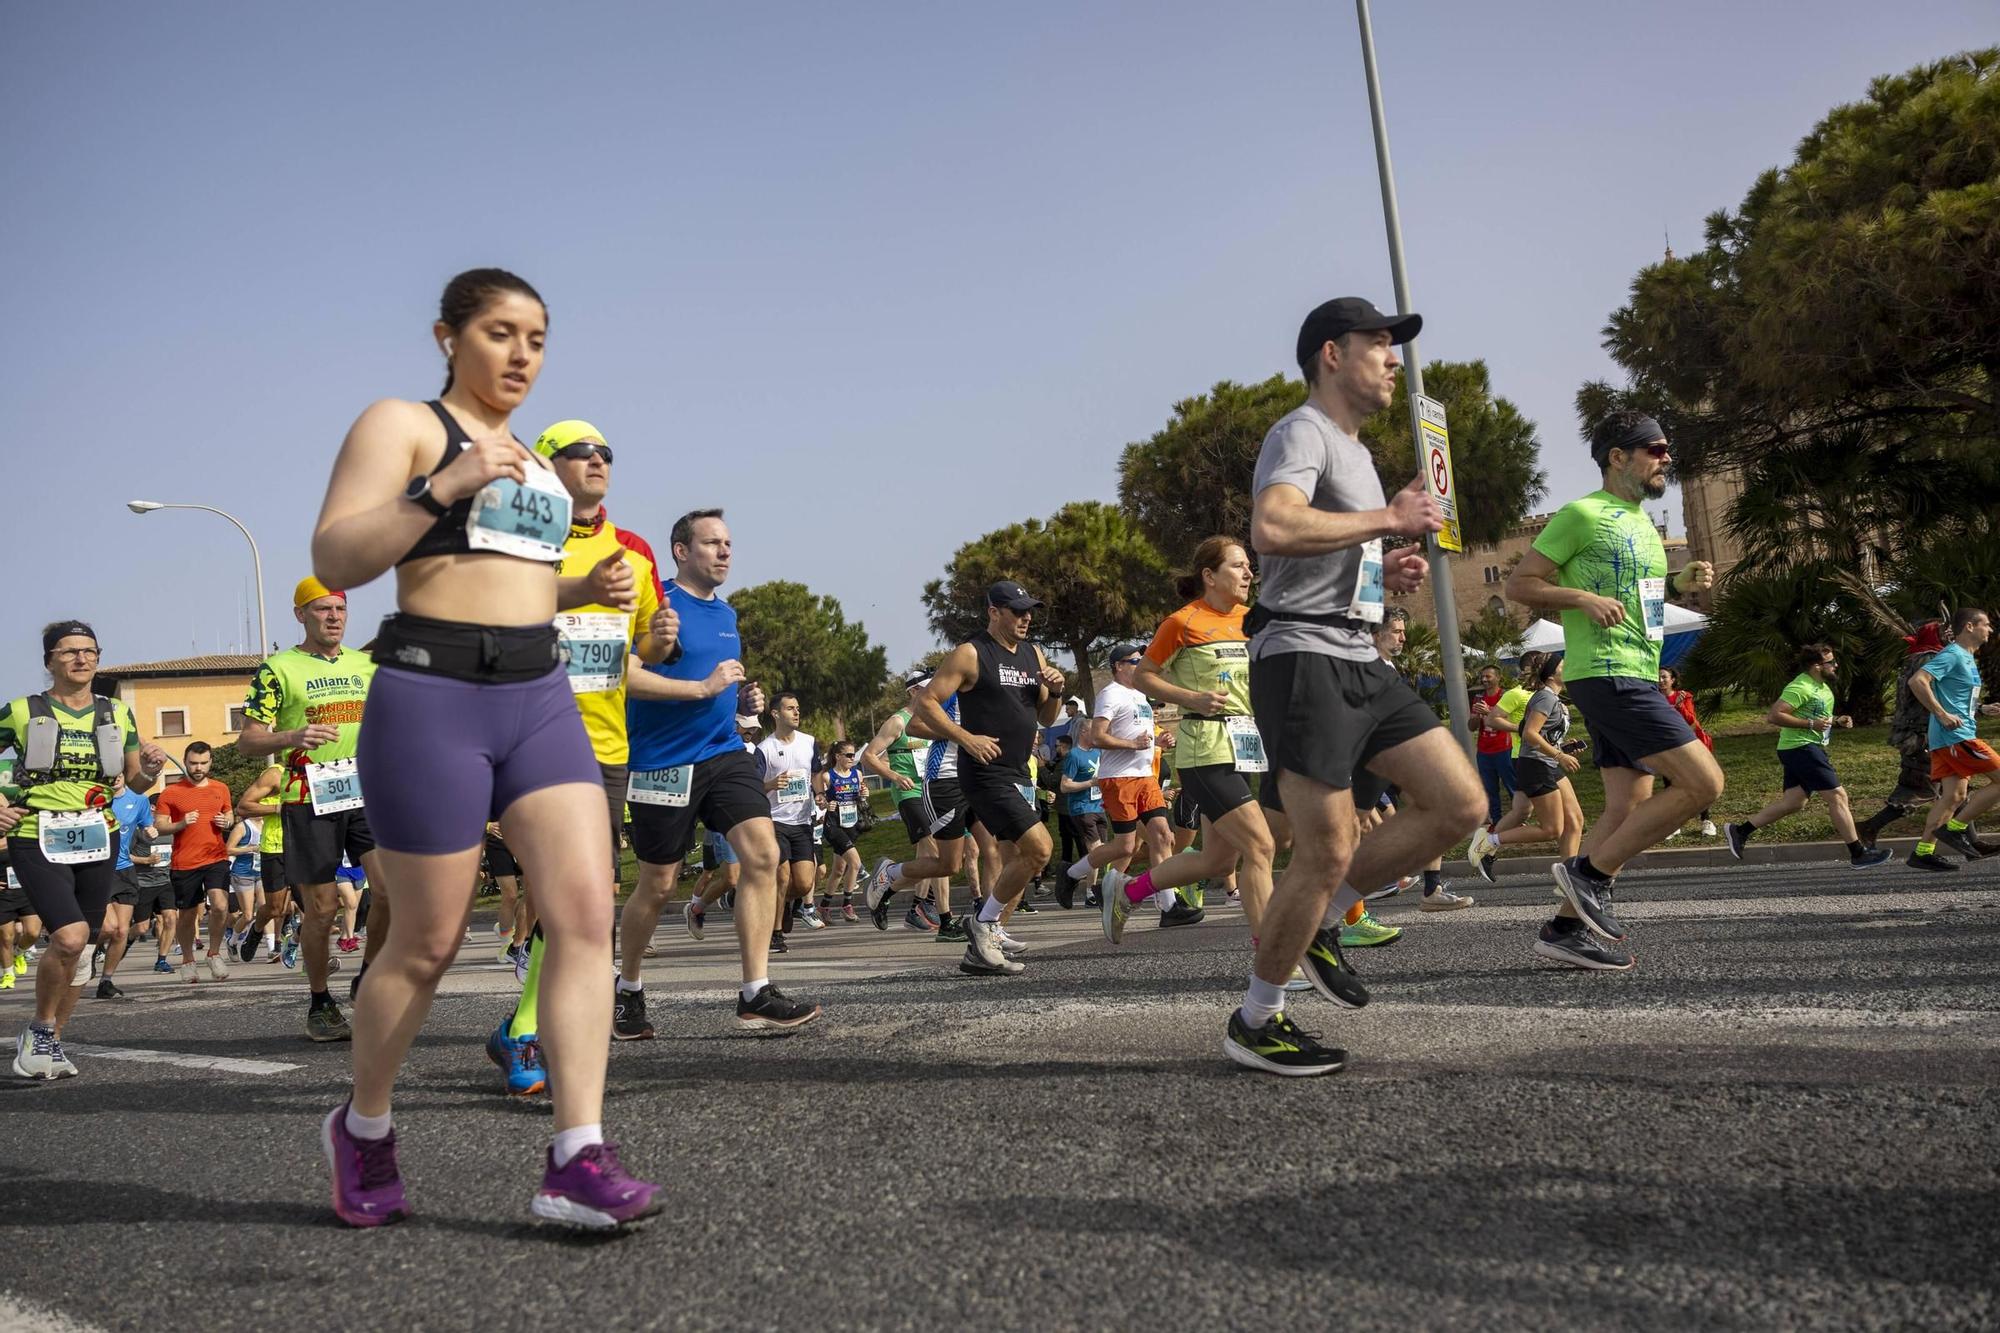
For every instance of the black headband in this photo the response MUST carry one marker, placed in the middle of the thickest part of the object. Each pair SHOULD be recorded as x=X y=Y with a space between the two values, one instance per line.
x=1639 y=434
x=61 y=630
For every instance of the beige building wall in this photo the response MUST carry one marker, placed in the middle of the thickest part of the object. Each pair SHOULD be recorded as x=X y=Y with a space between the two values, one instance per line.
x=1705 y=502
x=177 y=710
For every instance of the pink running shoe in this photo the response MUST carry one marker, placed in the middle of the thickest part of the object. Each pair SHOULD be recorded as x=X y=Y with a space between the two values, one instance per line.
x=594 y=1191
x=367 y=1189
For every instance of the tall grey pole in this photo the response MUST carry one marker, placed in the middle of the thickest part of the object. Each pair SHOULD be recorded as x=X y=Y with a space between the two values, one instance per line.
x=1441 y=592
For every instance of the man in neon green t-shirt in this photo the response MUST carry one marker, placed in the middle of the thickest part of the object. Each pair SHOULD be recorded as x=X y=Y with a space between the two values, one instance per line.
x=1601 y=564
x=1805 y=719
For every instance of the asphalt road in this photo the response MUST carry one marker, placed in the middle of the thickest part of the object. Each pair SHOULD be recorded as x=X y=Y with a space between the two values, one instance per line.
x=1785 y=1116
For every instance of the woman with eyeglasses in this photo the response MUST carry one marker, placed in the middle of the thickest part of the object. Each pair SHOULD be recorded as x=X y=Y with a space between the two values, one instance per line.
x=471 y=718
x=70 y=744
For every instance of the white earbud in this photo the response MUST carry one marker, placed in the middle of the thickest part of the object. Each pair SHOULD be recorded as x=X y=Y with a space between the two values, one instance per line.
x=447 y=348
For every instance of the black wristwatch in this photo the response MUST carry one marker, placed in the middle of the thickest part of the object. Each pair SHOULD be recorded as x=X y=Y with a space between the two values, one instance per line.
x=418 y=492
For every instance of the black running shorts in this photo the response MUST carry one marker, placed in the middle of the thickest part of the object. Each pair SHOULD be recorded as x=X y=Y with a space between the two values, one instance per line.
x=795 y=842
x=1000 y=799
x=191 y=887
x=1325 y=717
x=1629 y=720
x=314 y=843
x=1211 y=790
x=723 y=791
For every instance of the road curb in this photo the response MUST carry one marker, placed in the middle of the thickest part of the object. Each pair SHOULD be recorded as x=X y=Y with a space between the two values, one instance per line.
x=1681 y=858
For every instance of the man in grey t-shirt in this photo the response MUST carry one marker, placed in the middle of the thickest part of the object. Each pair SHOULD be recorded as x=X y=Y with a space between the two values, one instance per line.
x=1333 y=716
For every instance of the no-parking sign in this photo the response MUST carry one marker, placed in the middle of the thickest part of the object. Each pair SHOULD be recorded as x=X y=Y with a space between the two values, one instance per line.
x=1434 y=457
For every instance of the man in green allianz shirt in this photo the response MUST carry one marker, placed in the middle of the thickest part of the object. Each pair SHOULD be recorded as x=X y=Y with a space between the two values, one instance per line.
x=304 y=713
x=1805 y=719
x=1601 y=564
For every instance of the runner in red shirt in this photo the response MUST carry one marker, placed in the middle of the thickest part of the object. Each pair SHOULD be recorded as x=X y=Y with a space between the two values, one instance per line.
x=1496 y=748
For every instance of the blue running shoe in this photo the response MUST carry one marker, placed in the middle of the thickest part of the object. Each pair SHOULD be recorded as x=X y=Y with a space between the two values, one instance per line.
x=289 y=955
x=520 y=1059
x=162 y=965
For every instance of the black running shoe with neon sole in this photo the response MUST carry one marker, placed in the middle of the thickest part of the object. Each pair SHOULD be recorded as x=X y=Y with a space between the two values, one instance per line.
x=1280 y=1047
x=1326 y=967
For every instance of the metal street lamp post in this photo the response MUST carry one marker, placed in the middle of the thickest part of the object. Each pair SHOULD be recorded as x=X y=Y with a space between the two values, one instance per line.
x=256 y=557
x=1441 y=589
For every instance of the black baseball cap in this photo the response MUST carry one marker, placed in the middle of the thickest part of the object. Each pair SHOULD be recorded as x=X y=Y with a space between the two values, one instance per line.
x=1350 y=314
x=1013 y=596
x=1121 y=651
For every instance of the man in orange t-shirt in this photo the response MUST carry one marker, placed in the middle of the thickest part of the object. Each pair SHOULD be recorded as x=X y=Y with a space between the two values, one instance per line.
x=198 y=811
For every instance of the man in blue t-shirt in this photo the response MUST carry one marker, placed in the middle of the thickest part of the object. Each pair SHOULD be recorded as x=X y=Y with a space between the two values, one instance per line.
x=1082 y=810
x=1948 y=688
x=688 y=764
x=134 y=813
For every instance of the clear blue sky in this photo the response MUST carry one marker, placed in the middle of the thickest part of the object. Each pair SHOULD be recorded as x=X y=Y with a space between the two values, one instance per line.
x=803 y=260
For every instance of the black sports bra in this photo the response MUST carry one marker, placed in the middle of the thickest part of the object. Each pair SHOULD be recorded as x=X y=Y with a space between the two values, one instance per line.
x=447 y=532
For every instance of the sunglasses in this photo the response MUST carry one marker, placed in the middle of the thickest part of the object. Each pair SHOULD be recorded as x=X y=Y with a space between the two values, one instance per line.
x=576 y=453
x=1128 y=661
x=1650 y=450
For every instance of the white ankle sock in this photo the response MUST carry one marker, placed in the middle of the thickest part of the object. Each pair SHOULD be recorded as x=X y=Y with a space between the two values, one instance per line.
x=367 y=1126
x=750 y=988
x=1262 y=1001
x=569 y=1142
x=989 y=911
x=627 y=987
x=1080 y=871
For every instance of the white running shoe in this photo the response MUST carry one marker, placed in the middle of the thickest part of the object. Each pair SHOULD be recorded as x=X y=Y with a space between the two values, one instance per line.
x=1009 y=946
x=878 y=884
x=217 y=969
x=188 y=973
x=1708 y=828
x=983 y=941
x=691 y=918
x=35 y=1053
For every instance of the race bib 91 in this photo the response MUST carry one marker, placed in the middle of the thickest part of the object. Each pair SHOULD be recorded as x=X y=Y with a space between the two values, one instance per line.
x=74 y=837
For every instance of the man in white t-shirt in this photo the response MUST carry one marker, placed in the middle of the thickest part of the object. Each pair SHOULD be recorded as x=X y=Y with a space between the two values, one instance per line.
x=1121 y=730
x=787 y=757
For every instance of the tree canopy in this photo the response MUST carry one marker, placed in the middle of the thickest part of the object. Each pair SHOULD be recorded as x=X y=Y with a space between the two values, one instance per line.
x=1192 y=478
x=1101 y=578
x=795 y=640
x=1837 y=338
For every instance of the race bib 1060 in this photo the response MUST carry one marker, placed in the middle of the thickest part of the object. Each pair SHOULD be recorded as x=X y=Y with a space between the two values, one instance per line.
x=1246 y=745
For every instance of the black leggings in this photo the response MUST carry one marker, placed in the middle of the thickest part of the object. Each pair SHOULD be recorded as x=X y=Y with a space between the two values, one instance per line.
x=63 y=895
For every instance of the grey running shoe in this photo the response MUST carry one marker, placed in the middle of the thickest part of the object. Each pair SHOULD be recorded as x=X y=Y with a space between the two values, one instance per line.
x=1579 y=948
x=1582 y=892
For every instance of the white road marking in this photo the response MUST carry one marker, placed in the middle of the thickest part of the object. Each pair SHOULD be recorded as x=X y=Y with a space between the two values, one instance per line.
x=18 y=1316
x=220 y=1064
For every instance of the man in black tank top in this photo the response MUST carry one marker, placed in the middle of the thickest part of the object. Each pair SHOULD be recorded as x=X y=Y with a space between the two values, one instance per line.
x=1006 y=692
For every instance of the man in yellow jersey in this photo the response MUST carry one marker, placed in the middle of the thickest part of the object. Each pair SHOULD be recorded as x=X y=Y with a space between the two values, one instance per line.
x=597 y=640
x=304 y=713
